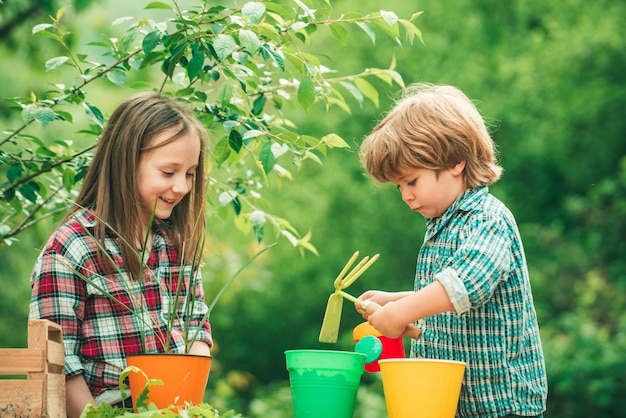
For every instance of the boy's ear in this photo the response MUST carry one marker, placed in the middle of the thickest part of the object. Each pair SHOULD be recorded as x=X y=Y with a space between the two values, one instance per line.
x=457 y=169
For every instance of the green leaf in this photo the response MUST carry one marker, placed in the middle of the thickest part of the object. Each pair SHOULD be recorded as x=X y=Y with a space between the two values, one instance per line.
x=249 y=40
x=224 y=46
x=55 y=62
x=259 y=232
x=14 y=172
x=117 y=77
x=307 y=11
x=222 y=151
x=44 y=115
x=268 y=160
x=50 y=35
x=258 y=105
x=388 y=76
x=41 y=27
x=354 y=91
x=68 y=179
x=235 y=140
x=184 y=92
x=45 y=151
x=253 y=11
x=366 y=28
x=158 y=5
x=140 y=85
x=196 y=62
x=94 y=113
x=225 y=94
x=66 y=116
x=253 y=133
x=339 y=32
x=150 y=41
x=267 y=49
x=9 y=195
x=390 y=17
x=229 y=125
x=368 y=90
x=306 y=93
x=28 y=191
x=335 y=141
x=411 y=30
x=121 y=20
x=236 y=204
x=28 y=113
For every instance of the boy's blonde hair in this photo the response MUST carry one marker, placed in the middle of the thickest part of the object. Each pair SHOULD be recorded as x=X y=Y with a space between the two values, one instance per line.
x=433 y=127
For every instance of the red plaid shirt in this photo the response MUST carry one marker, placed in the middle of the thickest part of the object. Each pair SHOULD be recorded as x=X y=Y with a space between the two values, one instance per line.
x=98 y=332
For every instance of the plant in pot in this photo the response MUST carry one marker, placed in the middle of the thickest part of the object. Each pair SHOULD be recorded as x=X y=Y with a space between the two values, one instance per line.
x=166 y=374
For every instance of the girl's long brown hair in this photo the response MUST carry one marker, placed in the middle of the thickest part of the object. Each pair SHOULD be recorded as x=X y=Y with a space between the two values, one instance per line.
x=110 y=188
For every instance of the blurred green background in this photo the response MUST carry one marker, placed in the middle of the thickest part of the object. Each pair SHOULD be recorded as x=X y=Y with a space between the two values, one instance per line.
x=550 y=76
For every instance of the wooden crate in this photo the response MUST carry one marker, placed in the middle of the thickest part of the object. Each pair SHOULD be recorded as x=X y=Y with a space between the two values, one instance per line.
x=42 y=393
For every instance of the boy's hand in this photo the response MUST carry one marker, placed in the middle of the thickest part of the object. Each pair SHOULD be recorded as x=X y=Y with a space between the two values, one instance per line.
x=385 y=321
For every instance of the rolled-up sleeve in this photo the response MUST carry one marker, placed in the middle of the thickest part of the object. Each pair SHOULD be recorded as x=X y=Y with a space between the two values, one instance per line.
x=478 y=264
x=456 y=290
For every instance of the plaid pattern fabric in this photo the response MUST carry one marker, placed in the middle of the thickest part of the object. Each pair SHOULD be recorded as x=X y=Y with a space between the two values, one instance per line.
x=476 y=253
x=99 y=332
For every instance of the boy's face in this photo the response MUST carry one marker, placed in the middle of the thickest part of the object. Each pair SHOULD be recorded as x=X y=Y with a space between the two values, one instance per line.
x=431 y=193
x=166 y=174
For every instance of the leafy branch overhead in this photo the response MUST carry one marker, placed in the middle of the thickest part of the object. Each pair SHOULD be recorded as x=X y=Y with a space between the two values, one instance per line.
x=244 y=70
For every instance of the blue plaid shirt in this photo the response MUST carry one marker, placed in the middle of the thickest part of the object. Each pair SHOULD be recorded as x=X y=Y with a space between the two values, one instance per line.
x=476 y=253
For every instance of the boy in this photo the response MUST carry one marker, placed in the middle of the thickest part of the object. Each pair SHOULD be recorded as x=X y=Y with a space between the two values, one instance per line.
x=472 y=296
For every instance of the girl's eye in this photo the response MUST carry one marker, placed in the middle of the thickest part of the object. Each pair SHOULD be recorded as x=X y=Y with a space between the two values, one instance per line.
x=167 y=173
x=191 y=175
x=411 y=183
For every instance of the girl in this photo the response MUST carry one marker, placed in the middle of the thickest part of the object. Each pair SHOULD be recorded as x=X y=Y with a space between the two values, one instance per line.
x=143 y=196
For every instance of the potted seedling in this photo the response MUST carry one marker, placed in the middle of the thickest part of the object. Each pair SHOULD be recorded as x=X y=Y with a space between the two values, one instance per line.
x=171 y=378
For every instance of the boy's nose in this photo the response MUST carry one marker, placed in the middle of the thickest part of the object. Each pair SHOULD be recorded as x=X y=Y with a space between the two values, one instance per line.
x=407 y=196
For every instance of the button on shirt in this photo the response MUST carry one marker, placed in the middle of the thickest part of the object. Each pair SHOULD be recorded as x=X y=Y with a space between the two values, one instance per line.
x=98 y=332
x=476 y=253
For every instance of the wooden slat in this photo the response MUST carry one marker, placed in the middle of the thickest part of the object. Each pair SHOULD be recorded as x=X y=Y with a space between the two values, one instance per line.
x=21 y=398
x=21 y=360
x=56 y=356
x=55 y=401
x=40 y=331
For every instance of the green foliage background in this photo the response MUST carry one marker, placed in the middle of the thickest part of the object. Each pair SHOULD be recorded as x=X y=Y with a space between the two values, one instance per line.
x=551 y=78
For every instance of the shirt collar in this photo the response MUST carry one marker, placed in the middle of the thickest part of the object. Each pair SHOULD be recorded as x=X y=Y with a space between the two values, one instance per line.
x=469 y=200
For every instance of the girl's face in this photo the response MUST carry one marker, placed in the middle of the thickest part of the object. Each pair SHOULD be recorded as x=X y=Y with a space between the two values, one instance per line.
x=166 y=173
x=429 y=193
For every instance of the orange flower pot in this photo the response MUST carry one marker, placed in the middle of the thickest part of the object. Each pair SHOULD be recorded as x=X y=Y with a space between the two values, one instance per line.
x=184 y=378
